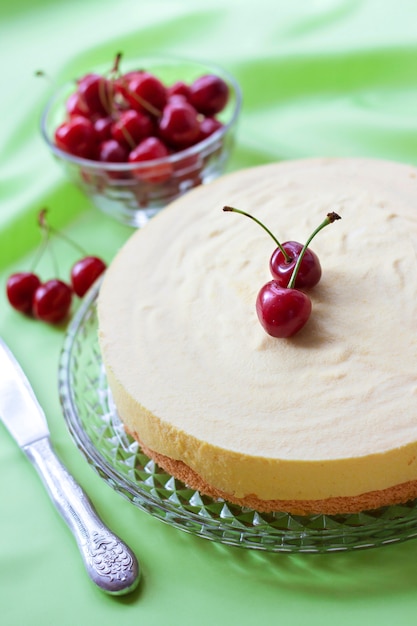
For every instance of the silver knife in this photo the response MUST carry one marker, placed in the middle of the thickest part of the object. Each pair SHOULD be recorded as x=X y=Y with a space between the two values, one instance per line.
x=111 y=565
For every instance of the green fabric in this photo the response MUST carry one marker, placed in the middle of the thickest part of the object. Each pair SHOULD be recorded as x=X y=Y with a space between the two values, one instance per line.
x=322 y=78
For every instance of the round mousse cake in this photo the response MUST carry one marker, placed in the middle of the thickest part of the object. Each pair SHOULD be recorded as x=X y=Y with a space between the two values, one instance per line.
x=324 y=421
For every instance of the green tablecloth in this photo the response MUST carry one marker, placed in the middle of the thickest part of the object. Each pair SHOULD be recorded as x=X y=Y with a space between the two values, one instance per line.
x=320 y=78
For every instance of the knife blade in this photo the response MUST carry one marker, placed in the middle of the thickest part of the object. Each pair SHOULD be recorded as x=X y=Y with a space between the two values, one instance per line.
x=109 y=562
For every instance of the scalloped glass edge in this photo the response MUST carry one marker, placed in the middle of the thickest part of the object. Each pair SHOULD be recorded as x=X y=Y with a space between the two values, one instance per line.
x=94 y=425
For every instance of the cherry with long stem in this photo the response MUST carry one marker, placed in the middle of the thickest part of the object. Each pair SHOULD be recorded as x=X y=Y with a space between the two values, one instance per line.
x=284 y=258
x=50 y=230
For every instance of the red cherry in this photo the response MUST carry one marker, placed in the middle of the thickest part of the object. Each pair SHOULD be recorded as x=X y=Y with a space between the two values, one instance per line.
x=177 y=98
x=146 y=93
x=150 y=149
x=179 y=89
x=179 y=125
x=77 y=136
x=20 y=289
x=208 y=126
x=121 y=84
x=52 y=301
x=103 y=126
x=132 y=127
x=85 y=272
x=209 y=94
x=95 y=93
x=282 y=311
x=309 y=272
x=75 y=106
x=111 y=151
x=187 y=166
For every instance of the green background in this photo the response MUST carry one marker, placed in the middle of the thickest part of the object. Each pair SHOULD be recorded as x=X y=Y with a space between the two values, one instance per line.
x=320 y=78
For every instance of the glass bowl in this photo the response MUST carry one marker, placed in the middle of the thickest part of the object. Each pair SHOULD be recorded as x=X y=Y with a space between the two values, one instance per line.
x=94 y=424
x=128 y=191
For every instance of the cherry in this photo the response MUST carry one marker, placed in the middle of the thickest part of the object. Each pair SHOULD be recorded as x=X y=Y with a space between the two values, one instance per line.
x=95 y=93
x=146 y=93
x=282 y=311
x=77 y=136
x=121 y=84
x=311 y=269
x=209 y=94
x=111 y=151
x=75 y=106
x=284 y=258
x=177 y=97
x=20 y=289
x=179 y=125
x=208 y=126
x=103 y=126
x=149 y=149
x=180 y=88
x=85 y=272
x=282 y=268
x=52 y=301
x=131 y=127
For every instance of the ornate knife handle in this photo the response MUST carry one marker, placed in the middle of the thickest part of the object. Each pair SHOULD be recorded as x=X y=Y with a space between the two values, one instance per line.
x=109 y=562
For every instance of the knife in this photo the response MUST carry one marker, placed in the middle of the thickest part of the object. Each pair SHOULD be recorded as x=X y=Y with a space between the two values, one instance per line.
x=111 y=564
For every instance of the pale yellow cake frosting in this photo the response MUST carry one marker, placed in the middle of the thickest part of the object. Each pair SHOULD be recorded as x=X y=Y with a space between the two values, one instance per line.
x=328 y=413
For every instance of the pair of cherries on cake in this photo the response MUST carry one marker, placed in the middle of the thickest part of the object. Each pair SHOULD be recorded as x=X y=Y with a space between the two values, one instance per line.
x=282 y=306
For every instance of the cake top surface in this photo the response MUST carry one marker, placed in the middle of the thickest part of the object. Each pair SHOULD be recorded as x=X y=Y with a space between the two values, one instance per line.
x=178 y=324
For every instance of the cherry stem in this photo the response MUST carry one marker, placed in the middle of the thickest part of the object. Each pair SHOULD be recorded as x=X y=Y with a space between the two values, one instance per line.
x=44 y=75
x=284 y=252
x=106 y=88
x=105 y=94
x=116 y=65
x=128 y=137
x=330 y=218
x=41 y=250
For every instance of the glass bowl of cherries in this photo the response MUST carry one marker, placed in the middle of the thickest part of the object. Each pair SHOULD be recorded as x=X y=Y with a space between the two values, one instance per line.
x=137 y=134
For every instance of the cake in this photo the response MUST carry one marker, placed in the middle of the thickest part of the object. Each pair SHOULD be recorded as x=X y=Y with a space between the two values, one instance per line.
x=321 y=422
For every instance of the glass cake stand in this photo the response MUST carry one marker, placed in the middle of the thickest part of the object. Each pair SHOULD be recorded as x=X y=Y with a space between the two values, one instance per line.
x=93 y=422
